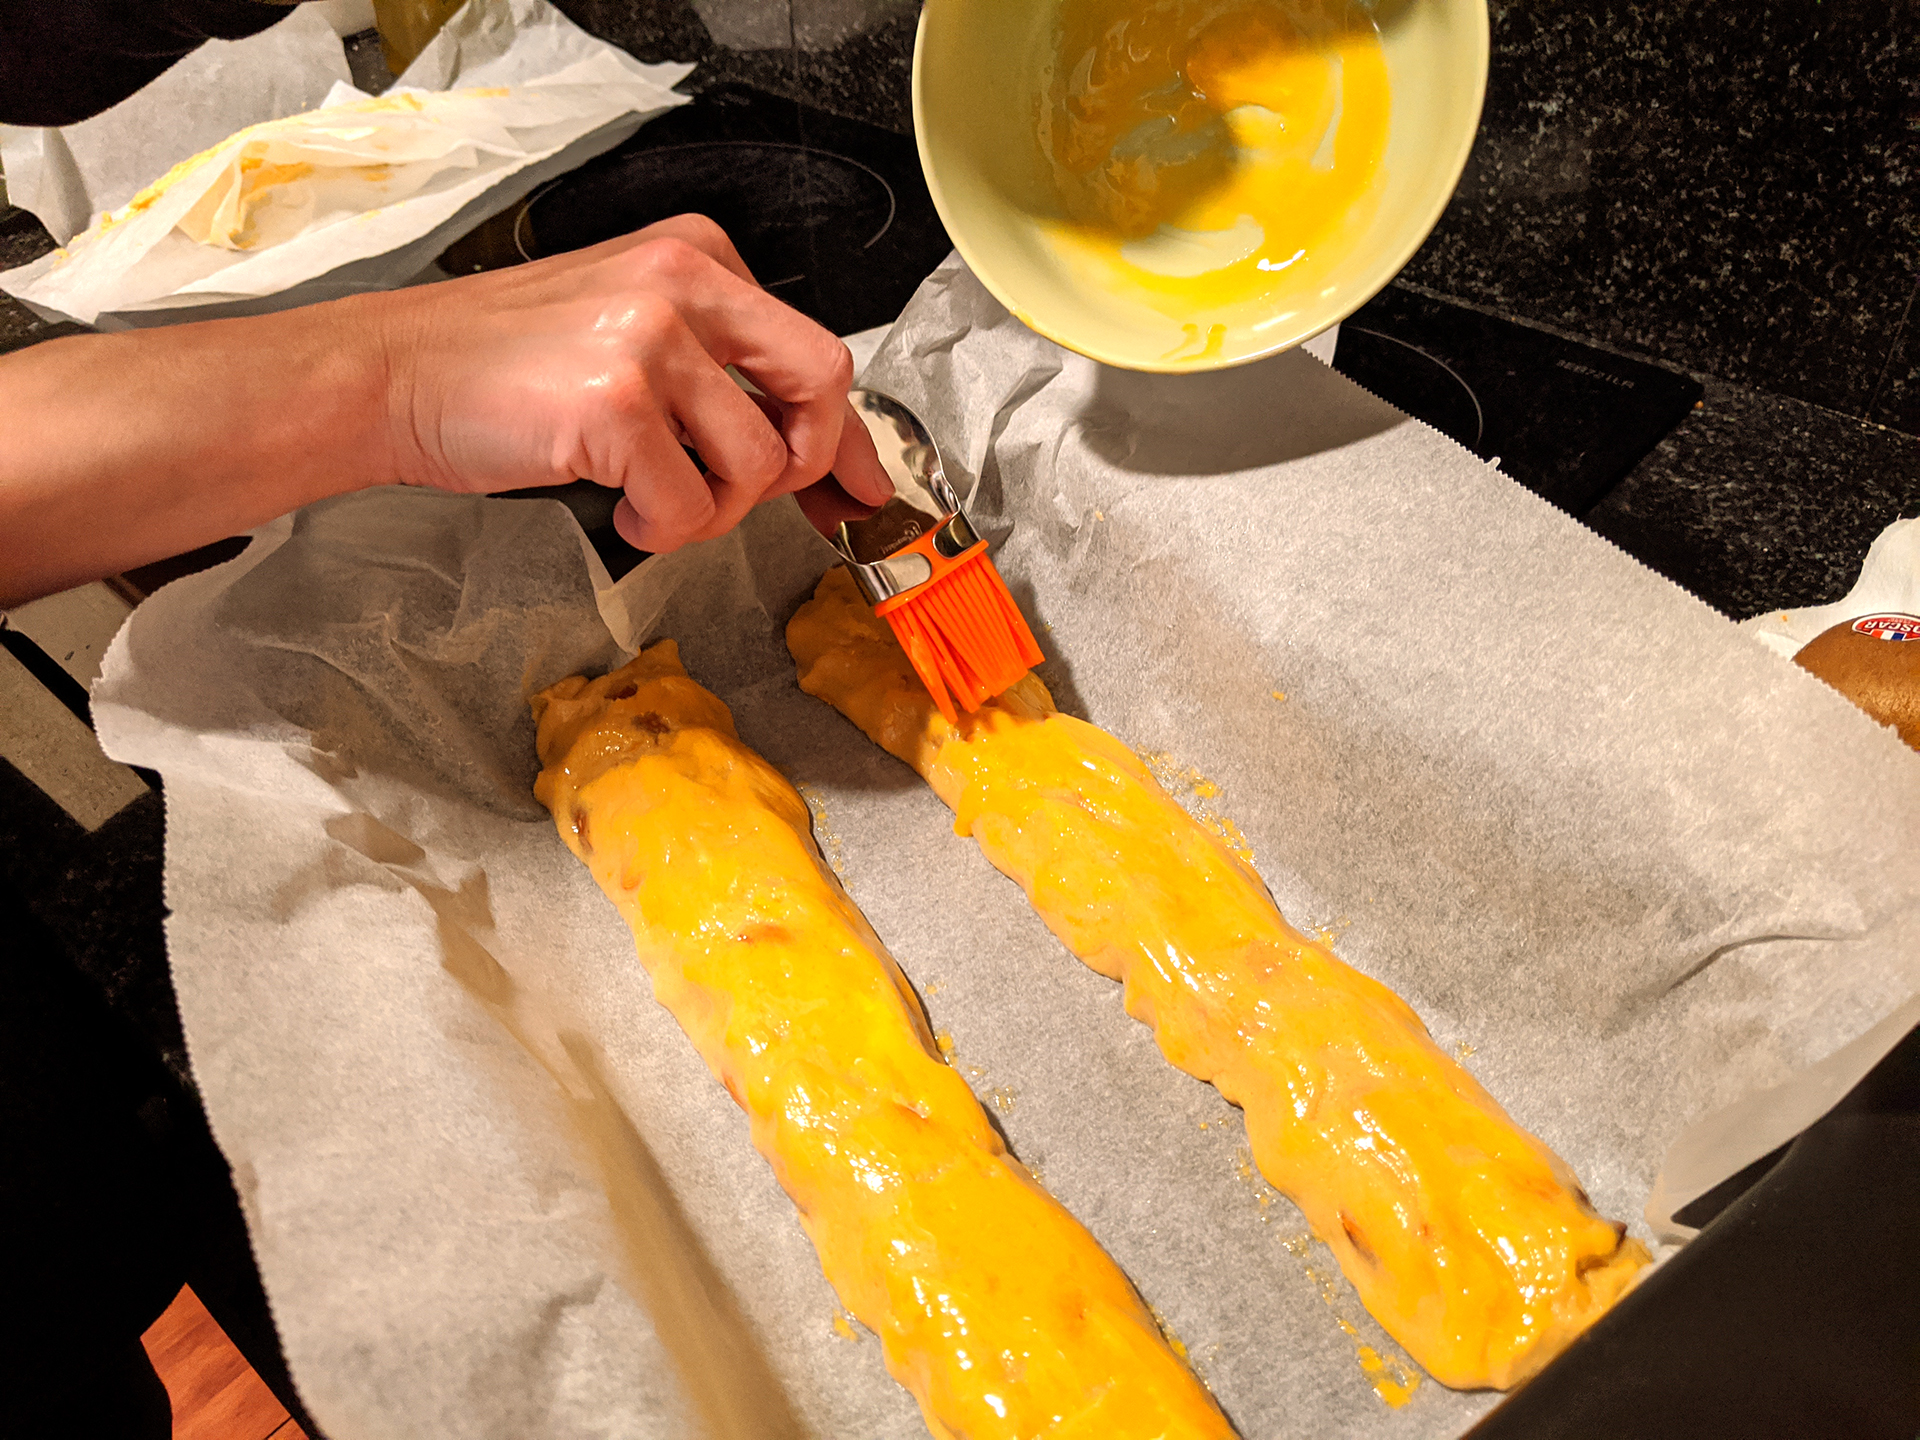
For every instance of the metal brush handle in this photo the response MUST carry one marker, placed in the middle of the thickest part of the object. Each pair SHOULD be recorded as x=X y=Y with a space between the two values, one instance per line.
x=923 y=501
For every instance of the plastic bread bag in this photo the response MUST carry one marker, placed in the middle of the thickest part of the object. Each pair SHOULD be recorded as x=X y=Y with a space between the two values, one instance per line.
x=1889 y=584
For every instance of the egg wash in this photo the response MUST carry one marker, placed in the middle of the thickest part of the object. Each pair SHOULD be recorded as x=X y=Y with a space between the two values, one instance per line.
x=1199 y=148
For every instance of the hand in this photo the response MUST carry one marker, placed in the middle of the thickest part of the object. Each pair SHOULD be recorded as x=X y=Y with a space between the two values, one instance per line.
x=602 y=363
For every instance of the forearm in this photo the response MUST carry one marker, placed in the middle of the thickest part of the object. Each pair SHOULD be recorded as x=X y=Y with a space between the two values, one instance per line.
x=600 y=363
x=116 y=450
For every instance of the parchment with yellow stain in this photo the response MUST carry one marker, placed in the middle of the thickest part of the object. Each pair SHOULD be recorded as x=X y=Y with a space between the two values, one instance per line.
x=287 y=200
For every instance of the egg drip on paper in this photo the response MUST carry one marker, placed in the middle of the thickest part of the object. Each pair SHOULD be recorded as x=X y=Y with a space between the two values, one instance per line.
x=1201 y=148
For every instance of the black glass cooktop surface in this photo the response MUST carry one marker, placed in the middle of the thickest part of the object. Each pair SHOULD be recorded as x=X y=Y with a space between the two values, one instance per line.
x=1564 y=419
x=830 y=214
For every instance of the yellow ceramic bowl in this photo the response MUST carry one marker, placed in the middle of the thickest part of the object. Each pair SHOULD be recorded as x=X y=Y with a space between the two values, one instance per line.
x=979 y=68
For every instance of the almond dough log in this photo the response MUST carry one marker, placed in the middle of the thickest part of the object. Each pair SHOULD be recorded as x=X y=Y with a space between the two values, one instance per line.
x=993 y=1306
x=1470 y=1242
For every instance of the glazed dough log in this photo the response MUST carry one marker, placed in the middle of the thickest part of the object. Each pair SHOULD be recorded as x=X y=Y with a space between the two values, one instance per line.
x=1471 y=1242
x=994 y=1308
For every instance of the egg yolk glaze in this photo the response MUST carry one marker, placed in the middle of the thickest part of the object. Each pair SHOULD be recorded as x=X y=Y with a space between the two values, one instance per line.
x=1201 y=147
x=1000 y=1314
x=1470 y=1242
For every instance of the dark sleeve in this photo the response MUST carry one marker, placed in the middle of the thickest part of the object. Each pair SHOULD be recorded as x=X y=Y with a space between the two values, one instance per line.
x=64 y=60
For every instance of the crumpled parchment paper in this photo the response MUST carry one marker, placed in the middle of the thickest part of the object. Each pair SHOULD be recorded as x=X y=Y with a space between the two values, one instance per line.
x=1631 y=866
x=358 y=194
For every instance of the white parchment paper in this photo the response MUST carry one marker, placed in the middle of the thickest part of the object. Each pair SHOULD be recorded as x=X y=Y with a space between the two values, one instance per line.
x=513 y=93
x=1642 y=868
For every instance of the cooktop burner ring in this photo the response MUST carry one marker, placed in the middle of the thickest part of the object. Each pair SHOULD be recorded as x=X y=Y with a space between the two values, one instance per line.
x=1479 y=414
x=520 y=219
x=521 y=238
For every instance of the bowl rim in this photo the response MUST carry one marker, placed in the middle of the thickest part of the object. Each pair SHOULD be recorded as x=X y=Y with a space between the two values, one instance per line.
x=1383 y=274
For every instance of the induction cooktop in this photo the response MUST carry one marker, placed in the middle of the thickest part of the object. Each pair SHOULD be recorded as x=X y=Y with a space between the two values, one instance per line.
x=830 y=214
x=1566 y=420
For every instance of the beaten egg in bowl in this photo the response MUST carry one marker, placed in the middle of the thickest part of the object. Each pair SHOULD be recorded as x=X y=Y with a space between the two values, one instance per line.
x=1185 y=184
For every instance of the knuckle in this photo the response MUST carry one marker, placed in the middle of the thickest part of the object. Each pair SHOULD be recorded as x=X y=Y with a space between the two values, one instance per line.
x=685 y=507
x=670 y=521
x=662 y=311
x=629 y=393
x=809 y=466
x=768 y=463
x=700 y=229
x=838 y=368
x=772 y=450
x=671 y=259
x=766 y=458
x=651 y=320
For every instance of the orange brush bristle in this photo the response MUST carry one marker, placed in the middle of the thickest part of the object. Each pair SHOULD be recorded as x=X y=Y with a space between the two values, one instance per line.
x=966 y=638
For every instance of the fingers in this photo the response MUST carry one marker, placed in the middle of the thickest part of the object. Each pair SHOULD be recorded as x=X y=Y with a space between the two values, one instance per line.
x=702 y=234
x=667 y=391
x=814 y=426
x=794 y=361
x=736 y=434
x=687 y=307
x=854 y=456
x=667 y=501
x=744 y=454
x=856 y=464
x=826 y=504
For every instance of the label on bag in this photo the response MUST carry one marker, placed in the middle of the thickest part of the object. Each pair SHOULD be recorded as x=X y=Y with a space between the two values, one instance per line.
x=1888 y=627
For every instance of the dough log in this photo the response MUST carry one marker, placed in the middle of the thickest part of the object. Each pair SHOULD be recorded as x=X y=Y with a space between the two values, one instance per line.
x=1000 y=1314
x=1470 y=1242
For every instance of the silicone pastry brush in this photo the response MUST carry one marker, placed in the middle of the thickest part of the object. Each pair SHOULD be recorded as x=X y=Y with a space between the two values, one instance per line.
x=921 y=565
